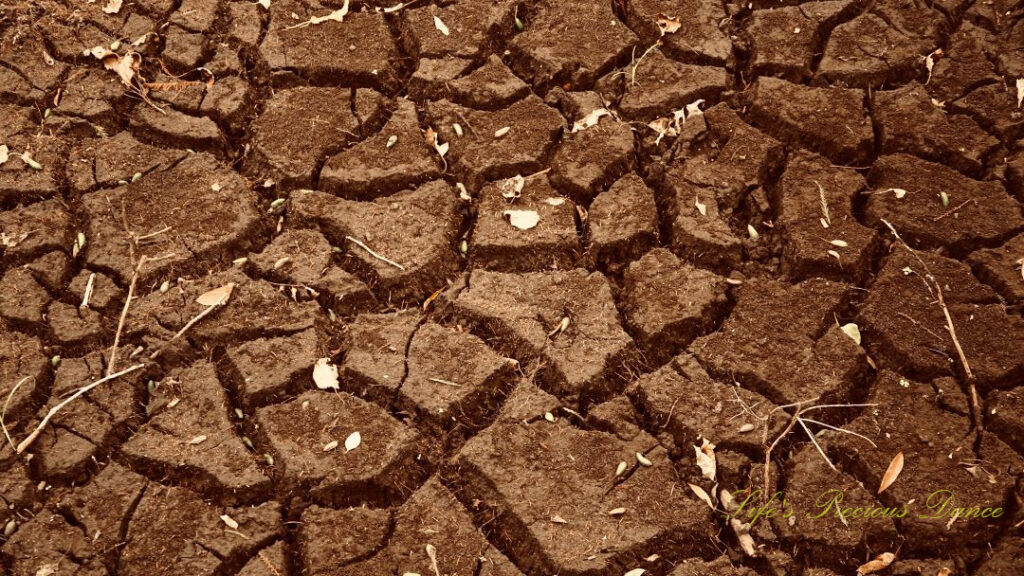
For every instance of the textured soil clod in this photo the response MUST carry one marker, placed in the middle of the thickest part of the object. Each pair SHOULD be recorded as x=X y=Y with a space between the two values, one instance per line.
x=511 y=287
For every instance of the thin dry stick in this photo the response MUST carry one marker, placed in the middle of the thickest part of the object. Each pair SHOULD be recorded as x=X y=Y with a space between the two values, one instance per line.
x=374 y=254
x=124 y=314
x=53 y=411
x=3 y=413
x=185 y=328
x=937 y=292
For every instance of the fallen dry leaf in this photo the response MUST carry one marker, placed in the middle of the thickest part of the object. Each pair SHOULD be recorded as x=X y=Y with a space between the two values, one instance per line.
x=512 y=188
x=1020 y=91
x=930 y=60
x=336 y=16
x=851 y=330
x=559 y=520
x=522 y=219
x=353 y=441
x=881 y=562
x=668 y=24
x=664 y=127
x=701 y=207
x=113 y=6
x=743 y=536
x=892 y=473
x=590 y=119
x=264 y=3
x=4 y=153
x=706 y=459
x=431 y=137
x=635 y=572
x=217 y=296
x=325 y=374
x=440 y=26
x=703 y=495
x=229 y=521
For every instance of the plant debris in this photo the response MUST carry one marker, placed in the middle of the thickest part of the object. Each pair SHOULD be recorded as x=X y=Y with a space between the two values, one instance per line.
x=892 y=472
x=590 y=119
x=431 y=137
x=668 y=24
x=4 y=153
x=929 y=62
x=441 y=26
x=512 y=188
x=706 y=460
x=336 y=16
x=881 y=562
x=113 y=6
x=229 y=521
x=353 y=441
x=522 y=219
x=853 y=331
x=1020 y=91
x=325 y=374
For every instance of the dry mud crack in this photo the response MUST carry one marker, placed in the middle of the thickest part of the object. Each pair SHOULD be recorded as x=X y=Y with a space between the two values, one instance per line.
x=511 y=287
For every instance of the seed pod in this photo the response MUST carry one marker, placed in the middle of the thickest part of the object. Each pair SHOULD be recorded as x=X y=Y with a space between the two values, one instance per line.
x=458 y=129
x=9 y=528
x=502 y=131
x=165 y=286
x=391 y=141
x=330 y=445
x=621 y=468
x=643 y=460
x=55 y=361
x=549 y=416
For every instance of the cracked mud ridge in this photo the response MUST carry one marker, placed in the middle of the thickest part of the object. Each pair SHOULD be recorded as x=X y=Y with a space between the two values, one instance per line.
x=511 y=287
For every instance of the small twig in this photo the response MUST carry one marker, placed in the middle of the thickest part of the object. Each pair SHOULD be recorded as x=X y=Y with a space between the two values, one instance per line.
x=184 y=329
x=374 y=254
x=88 y=291
x=815 y=442
x=445 y=382
x=843 y=430
x=936 y=290
x=124 y=315
x=952 y=210
x=151 y=234
x=53 y=411
x=3 y=413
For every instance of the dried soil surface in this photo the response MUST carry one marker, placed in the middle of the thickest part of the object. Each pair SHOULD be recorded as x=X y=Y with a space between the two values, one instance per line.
x=594 y=285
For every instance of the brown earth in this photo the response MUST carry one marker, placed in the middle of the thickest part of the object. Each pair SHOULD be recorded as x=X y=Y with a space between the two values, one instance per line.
x=559 y=253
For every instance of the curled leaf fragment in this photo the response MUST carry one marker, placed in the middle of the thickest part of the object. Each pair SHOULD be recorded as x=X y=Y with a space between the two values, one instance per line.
x=668 y=24
x=336 y=16
x=853 y=331
x=325 y=374
x=590 y=119
x=881 y=562
x=522 y=219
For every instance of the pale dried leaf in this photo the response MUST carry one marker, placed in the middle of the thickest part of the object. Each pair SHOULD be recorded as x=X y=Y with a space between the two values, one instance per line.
x=881 y=562
x=113 y=6
x=559 y=520
x=229 y=521
x=441 y=26
x=330 y=445
x=664 y=127
x=431 y=137
x=701 y=207
x=929 y=62
x=635 y=572
x=900 y=193
x=264 y=3
x=851 y=330
x=502 y=131
x=706 y=459
x=4 y=153
x=668 y=24
x=617 y=512
x=892 y=472
x=743 y=535
x=522 y=219
x=217 y=296
x=325 y=374
x=512 y=188
x=693 y=108
x=26 y=157
x=336 y=16
x=703 y=495
x=554 y=201
x=590 y=119
x=1020 y=92
x=353 y=441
